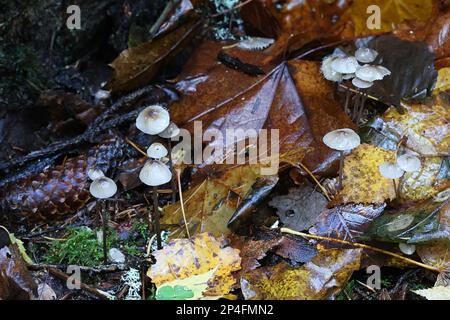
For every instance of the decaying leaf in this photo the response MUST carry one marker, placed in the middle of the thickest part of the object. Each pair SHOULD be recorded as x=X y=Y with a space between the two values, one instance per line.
x=443 y=80
x=191 y=288
x=210 y=205
x=347 y=221
x=321 y=278
x=422 y=222
x=184 y=258
x=138 y=65
x=435 y=254
x=363 y=182
x=435 y=293
x=392 y=13
x=300 y=208
x=426 y=127
x=425 y=183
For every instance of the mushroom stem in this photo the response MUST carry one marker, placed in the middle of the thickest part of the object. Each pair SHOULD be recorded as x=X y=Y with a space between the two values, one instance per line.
x=347 y=98
x=356 y=107
x=173 y=182
x=182 y=201
x=361 y=107
x=397 y=195
x=156 y=217
x=341 y=168
x=105 y=231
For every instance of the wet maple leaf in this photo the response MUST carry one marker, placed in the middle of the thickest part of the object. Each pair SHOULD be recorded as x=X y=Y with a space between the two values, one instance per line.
x=183 y=258
x=363 y=182
x=321 y=278
x=436 y=255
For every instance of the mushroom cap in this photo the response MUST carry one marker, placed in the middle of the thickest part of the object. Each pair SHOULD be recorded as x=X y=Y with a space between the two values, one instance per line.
x=390 y=170
x=153 y=120
x=348 y=76
x=155 y=173
x=328 y=71
x=103 y=188
x=95 y=173
x=384 y=71
x=370 y=73
x=366 y=55
x=156 y=150
x=342 y=139
x=345 y=64
x=255 y=43
x=409 y=163
x=171 y=131
x=361 y=84
x=407 y=248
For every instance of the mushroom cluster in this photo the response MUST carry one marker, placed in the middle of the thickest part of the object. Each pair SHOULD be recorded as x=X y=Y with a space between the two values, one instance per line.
x=340 y=67
x=155 y=120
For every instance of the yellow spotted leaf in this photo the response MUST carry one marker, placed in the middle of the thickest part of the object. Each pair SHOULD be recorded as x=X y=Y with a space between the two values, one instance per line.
x=426 y=127
x=443 y=80
x=391 y=13
x=362 y=182
x=424 y=183
x=184 y=258
x=321 y=278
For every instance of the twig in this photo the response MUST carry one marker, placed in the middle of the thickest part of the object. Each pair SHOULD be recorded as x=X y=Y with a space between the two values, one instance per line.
x=302 y=166
x=364 y=246
x=135 y=146
x=182 y=202
x=155 y=28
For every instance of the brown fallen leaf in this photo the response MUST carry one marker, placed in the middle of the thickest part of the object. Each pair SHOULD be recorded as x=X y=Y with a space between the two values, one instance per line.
x=435 y=254
x=321 y=278
x=183 y=258
x=137 y=66
x=363 y=182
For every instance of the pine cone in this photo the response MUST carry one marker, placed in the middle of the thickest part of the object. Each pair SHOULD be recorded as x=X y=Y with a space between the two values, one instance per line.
x=61 y=189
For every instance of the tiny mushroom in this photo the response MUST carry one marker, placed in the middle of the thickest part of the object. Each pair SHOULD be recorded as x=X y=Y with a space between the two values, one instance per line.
x=103 y=188
x=366 y=55
x=370 y=73
x=171 y=131
x=95 y=173
x=155 y=173
x=342 y=140
x=156 y=151
x=409 y=163
x=255 y=43
x=361 y=84
x=328 y=71
x=406 y=248
x=390 y=170
x=153 y=120
x=345 y=64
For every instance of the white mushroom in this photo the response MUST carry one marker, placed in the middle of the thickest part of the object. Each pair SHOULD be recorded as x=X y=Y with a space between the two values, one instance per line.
x=255 y=43
x=384 y=71
x=390 y=170
x=95 y=173
x=345 y=65
x=328 y=71
x=348 y=76
x=370 y=73
x=153 y=120
x=171 y=131
x=366 y=55
x=406 y=248
x=409 y=163
x=157 y=151
x=342 y=139
x=361 y=84
x=155 y=173
x=103 y=188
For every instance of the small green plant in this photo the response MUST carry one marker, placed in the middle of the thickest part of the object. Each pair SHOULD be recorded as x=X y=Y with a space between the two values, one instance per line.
x=81 y=247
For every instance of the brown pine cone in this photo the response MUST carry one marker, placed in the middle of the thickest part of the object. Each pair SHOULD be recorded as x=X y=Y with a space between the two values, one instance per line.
x=61 y=189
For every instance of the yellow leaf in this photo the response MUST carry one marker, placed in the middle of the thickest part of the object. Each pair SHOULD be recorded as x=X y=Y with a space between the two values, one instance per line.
x=210 y=205
x=392 y=13
x=426 y=127
x=194 y=287
x=321 y=278
x=184 y=258
x=362 y=182
x=443 y=80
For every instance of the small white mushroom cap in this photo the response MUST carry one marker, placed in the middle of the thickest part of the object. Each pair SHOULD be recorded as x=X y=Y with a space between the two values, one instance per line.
x=103 y=188
x=171 y=131
x=95 y=173
x=345 y=65
x=255 y=43
x=342 y=139
x=366 y=55
x=409 y=163
x=348 y=76
x=155 y=173
x=407 y=249
x=157 y=151
x=361 y=84
x=328 y=72
x=390 y=170
x=153 y=120
x=369 y=73
x=384 y=71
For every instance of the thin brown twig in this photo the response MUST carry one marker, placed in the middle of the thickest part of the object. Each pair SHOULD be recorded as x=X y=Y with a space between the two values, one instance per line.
x=157 y=25
x=135 y=146
x=363 y=246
